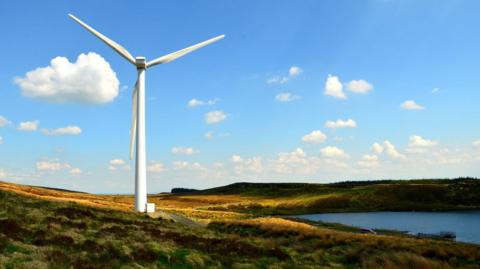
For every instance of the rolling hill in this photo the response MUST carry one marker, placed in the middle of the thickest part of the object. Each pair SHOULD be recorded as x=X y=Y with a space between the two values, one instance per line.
x=51 y=228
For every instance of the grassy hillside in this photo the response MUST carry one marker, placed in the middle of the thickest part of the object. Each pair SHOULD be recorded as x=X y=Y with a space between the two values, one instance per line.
x=36 y=233
x=302 y=198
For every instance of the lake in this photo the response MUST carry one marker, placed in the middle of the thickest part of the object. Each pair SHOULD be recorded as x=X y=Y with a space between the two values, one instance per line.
x=466 y=224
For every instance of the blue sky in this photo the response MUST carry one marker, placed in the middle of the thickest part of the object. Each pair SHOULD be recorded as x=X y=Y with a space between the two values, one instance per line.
x=397 y=80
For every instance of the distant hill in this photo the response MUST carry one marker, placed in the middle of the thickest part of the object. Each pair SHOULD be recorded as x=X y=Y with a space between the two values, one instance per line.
x=183 y=190
x=299 y=188
x=351 y=196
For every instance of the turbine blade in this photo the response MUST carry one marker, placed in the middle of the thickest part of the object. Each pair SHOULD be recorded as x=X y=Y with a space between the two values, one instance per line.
x=112 y=44
x=174 y=55
x=133 y=129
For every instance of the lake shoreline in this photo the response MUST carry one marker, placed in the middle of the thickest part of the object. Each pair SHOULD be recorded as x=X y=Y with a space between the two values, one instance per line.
x=401 y=223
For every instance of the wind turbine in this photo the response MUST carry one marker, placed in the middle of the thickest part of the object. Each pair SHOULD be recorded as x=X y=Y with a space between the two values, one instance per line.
x=137 y=130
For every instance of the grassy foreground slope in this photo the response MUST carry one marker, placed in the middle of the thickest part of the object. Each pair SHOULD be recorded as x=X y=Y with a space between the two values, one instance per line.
x=42 y=234
x=37 y=233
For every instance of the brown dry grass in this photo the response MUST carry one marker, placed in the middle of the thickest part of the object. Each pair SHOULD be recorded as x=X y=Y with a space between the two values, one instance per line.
x=117 y=202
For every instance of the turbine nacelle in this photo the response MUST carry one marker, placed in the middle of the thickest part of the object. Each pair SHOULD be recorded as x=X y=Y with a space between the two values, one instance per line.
x=141 y=62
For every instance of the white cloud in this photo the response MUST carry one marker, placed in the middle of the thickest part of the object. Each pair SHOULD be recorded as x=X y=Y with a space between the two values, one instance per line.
x=184 y=150
x=69 y=130
x=195 y=102
x=52 y=165
x=216 y=116
x=368 y=161
x=476 y=143
x=334 y=152
x=156 y=167
x=211 y=135
x=418 y=141
x=237 y=159
x=180 y=165
x=28 y=126
x=3 y=174
x=286 y=97
x=377 y=148
x=435 y=90
x=247 y=165
x=184 y=165
x=75 y=171
x=3 y=121
x=389 y=149
x=293 y=71
x=392 y=151
x=1 y=140
x=359 y=86
x=341 y=124
x=418 y=144
x=296 y=161
x=315 y=136
x=411 y=105
x=334 y=87
x=88 y=80
x=276 y=79
x=118 y=164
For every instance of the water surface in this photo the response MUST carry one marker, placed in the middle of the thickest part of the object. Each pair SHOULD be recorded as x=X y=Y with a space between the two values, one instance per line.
x=466 y=224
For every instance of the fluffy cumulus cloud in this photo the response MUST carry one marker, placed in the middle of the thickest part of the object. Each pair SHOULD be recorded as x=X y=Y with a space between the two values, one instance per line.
x=333 y=87
x=155 y=167
x=389 y=148
x=3 y=121
x=392 y=151
x=377 y=148
x=247 y=165
x=184 y=150
x=315 y=136
x=411 y=105
x=293 y=71
x=88 y=80
x=75 y=171
x=51 y=165
x=69 y=130
x=195 y=102
x=359 y=86
x=214 y=117
x=418 y=144
x=368 y=161
x=118 y=164
x=56 y=165
x=334 y=153
x=286 y=97
x=296 y=161
x=418 y=141
x=188 y=166
x=29 y=126
x=341 y=124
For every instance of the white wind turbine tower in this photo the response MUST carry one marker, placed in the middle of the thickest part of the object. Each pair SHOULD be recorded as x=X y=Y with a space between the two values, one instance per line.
x=137 y=130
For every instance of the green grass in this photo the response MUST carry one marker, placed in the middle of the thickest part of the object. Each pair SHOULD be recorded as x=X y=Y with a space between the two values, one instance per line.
x=40 y=234
x=387 y=195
